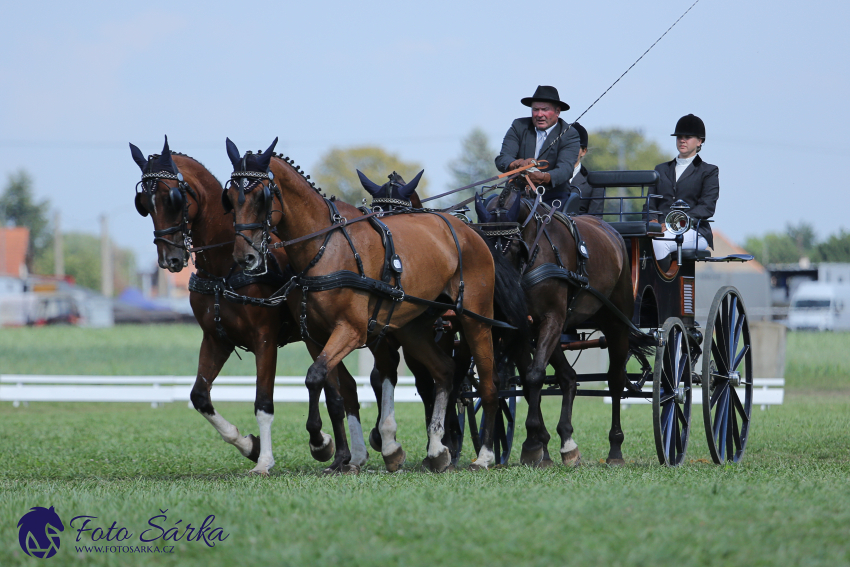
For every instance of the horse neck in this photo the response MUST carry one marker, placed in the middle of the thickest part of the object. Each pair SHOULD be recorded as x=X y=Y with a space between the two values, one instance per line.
x=210 y=224
x=304 y=210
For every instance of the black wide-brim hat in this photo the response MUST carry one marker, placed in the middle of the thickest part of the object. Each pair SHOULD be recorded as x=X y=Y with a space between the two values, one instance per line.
x=546 y=94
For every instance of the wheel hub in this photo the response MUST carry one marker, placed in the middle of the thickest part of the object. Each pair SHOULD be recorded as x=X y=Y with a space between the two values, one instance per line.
x=679 y=395
x=735 y=378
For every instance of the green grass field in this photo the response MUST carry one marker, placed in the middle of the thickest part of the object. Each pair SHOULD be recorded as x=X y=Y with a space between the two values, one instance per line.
x=787 y=503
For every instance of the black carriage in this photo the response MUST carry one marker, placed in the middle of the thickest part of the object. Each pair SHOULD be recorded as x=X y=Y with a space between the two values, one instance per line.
x=713 y=359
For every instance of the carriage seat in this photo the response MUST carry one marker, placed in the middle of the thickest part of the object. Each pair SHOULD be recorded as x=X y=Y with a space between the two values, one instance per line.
x=636 y=228
x=634 y=178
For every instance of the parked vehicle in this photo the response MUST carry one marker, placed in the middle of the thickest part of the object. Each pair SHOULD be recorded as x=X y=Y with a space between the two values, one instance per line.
x=817 y=306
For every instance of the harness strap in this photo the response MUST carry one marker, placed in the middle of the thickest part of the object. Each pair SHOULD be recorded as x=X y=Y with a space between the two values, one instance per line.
x=546 y=271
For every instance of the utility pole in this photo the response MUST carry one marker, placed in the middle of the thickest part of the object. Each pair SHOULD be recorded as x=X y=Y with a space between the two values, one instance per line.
x=105 y=258
x=58 y=247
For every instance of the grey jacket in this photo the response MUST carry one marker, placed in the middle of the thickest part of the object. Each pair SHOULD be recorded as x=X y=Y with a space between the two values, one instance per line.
x=521 y=140
x=698 y=186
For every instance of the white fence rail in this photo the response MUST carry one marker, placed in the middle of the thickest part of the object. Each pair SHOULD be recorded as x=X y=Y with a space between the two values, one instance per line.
x=18 y=388
x=766 y=392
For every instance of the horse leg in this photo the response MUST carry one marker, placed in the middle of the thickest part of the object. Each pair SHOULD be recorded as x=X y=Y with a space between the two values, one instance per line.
x=618 y=349
x=570 y=455
x=265 y=353
x=386 y=372
x=336 y=410
x=424 y=385
x=322 y=446
x=480 y=342
x=537 y=438
x=389 y=359
x=214 y=353
x=419 y=343
x=348 y=389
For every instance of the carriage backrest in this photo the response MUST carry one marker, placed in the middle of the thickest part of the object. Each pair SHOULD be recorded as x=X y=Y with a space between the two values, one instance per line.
x=627 y=213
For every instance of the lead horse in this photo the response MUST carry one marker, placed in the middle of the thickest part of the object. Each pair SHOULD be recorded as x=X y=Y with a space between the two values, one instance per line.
x=341 y=270
x=574 y=269
x=184 y=201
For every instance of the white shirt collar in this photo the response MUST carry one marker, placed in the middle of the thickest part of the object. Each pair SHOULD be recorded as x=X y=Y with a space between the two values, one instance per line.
x=686 y=161
x=575 y=171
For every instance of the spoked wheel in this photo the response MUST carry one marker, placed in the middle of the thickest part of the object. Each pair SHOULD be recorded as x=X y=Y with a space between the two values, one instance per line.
x=671 y=394
x=727 y=377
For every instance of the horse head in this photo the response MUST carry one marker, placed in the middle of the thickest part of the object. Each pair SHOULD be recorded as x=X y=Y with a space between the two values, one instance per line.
x=250 y=194
x=396 y=189
x=163 y=193
x=499 y=222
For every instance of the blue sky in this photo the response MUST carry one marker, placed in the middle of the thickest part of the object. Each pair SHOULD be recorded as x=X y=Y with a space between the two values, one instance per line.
x=81 y=80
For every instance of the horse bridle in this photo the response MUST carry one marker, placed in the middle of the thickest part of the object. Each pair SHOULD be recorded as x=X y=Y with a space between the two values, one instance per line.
x=245 y=182
x=149 y=183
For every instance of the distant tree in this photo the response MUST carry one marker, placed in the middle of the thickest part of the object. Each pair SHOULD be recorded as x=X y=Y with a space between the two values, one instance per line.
x=615 y=148
x=836 y=248
x=18 y=208
x=82 y=262
x=803 y=236
x=336 y=171
x=773 y=248
x=476 y=162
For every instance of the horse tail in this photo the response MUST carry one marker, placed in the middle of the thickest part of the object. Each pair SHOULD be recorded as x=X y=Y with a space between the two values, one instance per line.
x=642 y=345
x=508 y=304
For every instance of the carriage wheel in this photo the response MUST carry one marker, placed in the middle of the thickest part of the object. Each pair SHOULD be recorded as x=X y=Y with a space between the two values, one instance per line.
x=671 y=393
x=727 y=377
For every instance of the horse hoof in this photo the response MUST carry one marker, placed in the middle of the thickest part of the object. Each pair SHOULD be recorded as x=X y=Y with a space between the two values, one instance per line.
x=545 y=464
x=571 y=458
x=475 y=467
x=350 y=469
x=325 y=452
x=531 y=458
x=615 y=462
x=258 y=472
x=375 y=439
x=394 y=460
x=439 y=463
x=254 y=455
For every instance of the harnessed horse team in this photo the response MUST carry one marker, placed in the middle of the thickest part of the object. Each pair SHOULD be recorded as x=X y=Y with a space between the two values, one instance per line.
x=278 y=262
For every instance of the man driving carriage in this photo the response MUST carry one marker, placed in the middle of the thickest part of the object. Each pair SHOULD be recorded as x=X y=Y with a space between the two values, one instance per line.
x=543 y=136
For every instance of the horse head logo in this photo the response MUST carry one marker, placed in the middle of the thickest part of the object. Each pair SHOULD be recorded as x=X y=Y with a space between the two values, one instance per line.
x=39 y=532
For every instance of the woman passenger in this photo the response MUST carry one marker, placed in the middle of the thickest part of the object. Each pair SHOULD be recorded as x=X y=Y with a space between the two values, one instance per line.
x=692 y=180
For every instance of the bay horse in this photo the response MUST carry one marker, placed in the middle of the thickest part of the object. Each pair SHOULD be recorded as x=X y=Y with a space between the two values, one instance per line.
x=558 y=262
x=443 y=262
x=396 y=195
x=184 y=201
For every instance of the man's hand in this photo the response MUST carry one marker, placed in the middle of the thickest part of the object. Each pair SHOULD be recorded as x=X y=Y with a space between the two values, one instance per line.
x=517 y=163
x=539 y=177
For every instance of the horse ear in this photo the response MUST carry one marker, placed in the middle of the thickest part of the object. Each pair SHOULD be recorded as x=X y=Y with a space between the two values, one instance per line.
x=266 y=157
x=481 y=209
x=513 y=212
x=165 y=163
x=138 y=157
x=233 y=153
x=407 y=190
x=371 y=187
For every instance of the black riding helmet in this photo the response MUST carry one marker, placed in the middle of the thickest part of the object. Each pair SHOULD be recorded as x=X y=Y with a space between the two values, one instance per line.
x=690 y=125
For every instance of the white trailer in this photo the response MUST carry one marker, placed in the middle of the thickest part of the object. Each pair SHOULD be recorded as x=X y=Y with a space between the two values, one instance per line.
x=818 y=306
